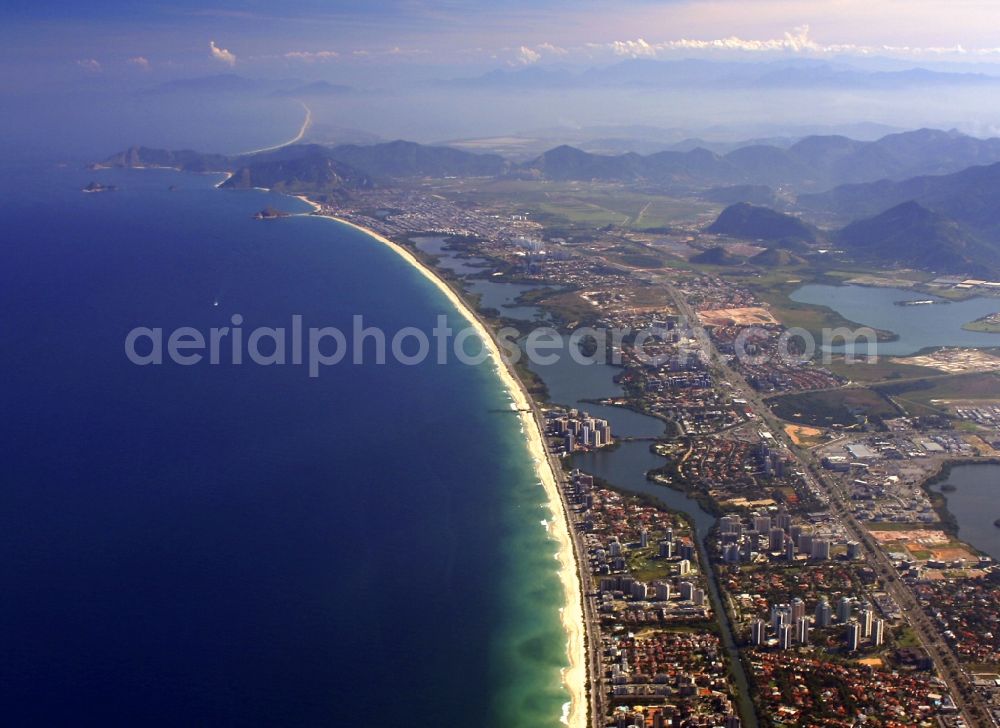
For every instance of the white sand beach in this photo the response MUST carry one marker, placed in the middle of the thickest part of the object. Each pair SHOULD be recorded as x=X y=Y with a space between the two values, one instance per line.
x=574 y=676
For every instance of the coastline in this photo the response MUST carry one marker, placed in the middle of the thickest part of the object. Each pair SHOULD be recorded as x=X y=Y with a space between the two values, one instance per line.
x=574 y=676
x=294 y=140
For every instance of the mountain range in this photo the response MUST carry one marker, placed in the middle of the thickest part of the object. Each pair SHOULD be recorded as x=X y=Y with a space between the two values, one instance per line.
x=811 y=164
x=316 y=168
x=925 y=198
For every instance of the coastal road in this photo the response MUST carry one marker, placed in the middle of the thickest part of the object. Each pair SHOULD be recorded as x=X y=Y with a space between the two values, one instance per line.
x=957 y=680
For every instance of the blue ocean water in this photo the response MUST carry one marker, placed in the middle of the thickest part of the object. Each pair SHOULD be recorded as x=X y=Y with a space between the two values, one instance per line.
x=245 y=545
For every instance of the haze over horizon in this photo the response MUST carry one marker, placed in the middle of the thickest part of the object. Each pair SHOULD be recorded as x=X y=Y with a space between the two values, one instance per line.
x=731 y=70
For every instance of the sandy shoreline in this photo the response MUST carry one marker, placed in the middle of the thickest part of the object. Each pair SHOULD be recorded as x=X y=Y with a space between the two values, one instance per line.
x=574 y=676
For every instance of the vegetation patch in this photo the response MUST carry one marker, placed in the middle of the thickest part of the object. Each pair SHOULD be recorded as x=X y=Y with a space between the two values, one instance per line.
x=840 y=407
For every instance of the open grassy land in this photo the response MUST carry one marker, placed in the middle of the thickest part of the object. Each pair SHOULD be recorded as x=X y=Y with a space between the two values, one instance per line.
x=881 y=369
x=936 y=393
x=581 y=204
x=835 y=407
x=987 y=324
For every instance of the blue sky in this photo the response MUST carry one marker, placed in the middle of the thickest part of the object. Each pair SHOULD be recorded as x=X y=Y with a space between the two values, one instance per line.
x=173 y=37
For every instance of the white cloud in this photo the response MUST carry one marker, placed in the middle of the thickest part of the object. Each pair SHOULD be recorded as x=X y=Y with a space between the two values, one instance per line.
x=527 y=56
x=310 y=56
x=222 y=54
x=89 y=64
x=549 y=49
x=140 y=61
x=797 y=41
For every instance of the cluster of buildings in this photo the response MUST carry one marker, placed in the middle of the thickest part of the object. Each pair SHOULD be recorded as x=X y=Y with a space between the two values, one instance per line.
x=664 y=679
x=968 y=611
x=741 y=468
x=660 y=661
x=414 y=211
x=790 y=626
x=807 y=690
x=884 y=473
x=770 y=362
x=778 y=538
x=577 y=430
x=985 y=415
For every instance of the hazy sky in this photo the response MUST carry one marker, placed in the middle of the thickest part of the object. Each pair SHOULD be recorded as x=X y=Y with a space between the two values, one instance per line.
x=67 y=39
x=78 y=72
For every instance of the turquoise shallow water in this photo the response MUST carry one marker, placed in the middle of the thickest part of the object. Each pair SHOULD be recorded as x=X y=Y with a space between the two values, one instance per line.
x=243 y=544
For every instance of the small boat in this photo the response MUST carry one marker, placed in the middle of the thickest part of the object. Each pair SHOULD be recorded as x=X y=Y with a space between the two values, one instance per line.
x=997 y=523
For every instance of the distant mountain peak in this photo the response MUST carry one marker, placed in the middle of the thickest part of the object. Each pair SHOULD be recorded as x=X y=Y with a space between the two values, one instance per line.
x=753 y=222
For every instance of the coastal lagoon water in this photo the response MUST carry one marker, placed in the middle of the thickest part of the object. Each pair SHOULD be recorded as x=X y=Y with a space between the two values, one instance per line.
x=917 y=327
x=244 y=545
x=571 y=384
x=975 y=503
x=447 y=258
x=497 y=295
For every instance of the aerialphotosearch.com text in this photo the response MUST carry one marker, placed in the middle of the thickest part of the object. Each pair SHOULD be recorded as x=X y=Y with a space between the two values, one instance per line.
x=319 y=347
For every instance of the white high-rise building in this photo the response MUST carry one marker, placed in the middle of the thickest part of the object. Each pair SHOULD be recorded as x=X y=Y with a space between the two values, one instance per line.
x=853 y=636
x=867 y=618
x=878 y=632
x=802 y=630
x=821 y=549
x=785 y=635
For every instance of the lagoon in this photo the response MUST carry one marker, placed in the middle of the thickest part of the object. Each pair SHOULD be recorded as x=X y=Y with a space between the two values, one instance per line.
x=917 y=327
x=975 y=503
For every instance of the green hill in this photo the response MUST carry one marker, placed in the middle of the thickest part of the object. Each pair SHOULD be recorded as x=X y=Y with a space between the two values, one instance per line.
x=716 y=256
x=751 y=222
x=911 y=235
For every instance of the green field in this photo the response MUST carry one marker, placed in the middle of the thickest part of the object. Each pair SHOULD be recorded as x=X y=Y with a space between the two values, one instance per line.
x=582 y=204
x=880 y=370
x=987 y=325
x=835 y=407
x=931 y=394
